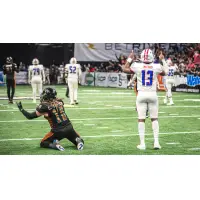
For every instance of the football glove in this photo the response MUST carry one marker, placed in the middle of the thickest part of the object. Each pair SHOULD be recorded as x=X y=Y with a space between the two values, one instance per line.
x=19 y=105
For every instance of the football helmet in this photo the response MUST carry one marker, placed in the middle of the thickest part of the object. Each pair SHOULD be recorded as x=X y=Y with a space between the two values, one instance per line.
x=48 y=94
x=147 y=56
x=35 y=61
x=9 y=60
x=73 y=61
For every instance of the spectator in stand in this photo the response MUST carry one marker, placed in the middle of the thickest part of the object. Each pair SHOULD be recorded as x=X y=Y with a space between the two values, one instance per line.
x=22 y=67
x=53 y=78
x=196 y=58
x=91 y=68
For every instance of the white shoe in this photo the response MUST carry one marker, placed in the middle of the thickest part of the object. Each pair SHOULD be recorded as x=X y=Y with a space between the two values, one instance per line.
x=157 y=146
x=141 y=147
x=72 y=103
x=34 y=101
x=59 y=147
x=165 y=101
x=80 y=146
x=171 y=103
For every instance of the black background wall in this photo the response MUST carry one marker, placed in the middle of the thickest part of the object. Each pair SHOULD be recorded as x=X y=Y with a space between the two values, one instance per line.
x=26 y=52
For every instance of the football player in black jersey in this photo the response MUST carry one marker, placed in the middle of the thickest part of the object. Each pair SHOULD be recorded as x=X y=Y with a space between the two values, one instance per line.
x=9 y=70
x=53 y=110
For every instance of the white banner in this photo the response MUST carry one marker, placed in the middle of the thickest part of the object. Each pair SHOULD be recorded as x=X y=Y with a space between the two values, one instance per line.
x=101 y=79
x=103 y=52
x=22 y=78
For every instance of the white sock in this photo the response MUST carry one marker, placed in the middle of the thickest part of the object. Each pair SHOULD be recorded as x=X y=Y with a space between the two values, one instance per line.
x=141 y=130
x=155 y=127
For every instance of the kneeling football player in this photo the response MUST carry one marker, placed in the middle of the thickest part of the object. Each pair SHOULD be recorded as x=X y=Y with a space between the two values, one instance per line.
x=53 y=110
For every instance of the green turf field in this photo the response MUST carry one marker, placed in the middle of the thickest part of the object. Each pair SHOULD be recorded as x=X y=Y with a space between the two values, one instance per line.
x=107 y=120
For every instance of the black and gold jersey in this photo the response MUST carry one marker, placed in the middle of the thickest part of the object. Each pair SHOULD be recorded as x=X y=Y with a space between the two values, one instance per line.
x=56 y=112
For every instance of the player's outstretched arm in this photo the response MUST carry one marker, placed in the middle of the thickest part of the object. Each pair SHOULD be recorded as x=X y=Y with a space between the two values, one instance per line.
x=27 y=114
x=164 y=65
x=126 y=67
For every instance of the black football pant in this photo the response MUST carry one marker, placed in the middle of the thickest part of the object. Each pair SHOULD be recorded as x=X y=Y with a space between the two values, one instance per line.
x=67 y=91
x=10 y=85
x=66 y=131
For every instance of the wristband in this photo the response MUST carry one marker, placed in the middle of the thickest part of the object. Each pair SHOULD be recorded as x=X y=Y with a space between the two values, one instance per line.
x=129 y=60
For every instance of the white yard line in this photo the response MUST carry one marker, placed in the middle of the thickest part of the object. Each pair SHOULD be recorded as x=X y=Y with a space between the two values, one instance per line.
x=107 y=118
x=101 y=136
x=107 y=108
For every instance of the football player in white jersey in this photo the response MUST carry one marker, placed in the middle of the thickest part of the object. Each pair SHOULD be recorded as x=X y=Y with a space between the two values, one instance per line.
x=147 y=72
x=169 y=82
x=73 y=73
x=36 y=77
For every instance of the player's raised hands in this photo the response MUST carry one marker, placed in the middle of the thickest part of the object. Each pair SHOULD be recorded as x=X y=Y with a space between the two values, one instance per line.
x=19 y=105
x=131 y=55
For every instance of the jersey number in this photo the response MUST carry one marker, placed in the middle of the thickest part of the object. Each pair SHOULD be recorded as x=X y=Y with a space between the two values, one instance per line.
x=60 y=114
x=147 y=78
x=171 y=72
x=72 y=69
x=36 y=71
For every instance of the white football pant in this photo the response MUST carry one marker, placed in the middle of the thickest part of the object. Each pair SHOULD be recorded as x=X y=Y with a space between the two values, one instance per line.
x=169 y=85
x=73 y=89
x=147 y=101
x=36 y=84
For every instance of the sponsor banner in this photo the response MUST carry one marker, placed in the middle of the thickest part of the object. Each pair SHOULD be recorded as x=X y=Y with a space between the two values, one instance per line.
x=1 y=79
x=89 y=79
x=189 y=83
x=101 y=79
x=193 y=80
x=101 y=52
x=123 y=81
x=21 y=78
x=113 y=80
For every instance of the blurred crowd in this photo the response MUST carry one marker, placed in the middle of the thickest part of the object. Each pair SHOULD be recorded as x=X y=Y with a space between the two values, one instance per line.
x=185 y=55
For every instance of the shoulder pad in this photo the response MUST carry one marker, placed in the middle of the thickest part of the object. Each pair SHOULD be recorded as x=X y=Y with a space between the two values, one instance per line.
x=43 y=108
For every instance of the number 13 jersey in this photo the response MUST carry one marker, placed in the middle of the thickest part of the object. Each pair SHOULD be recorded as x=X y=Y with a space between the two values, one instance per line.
x=146 y=76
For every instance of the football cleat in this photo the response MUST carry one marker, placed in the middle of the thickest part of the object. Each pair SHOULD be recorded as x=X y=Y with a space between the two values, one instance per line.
x=80 y=143
x=34 y=101
x=58 y=146
x=141 y=147
x=157 y=146
x=76 y=102
x=80 y=146
x=165 y=101
x=71 y=103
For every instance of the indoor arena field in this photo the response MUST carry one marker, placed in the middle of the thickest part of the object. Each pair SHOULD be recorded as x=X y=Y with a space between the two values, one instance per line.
x=106 y=119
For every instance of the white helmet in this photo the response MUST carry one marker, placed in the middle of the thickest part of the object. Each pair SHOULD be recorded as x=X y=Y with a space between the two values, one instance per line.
x=147 y=56
x=73 y=61
x=35 y=61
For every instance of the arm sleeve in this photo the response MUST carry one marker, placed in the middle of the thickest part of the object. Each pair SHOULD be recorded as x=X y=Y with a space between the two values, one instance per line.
x=29 y=115
x=66 y=71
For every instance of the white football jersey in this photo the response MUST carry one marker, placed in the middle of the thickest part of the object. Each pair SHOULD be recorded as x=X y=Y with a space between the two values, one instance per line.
x=36 y=70
x=172 y=69
x=73 y=71
x=146 y=75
